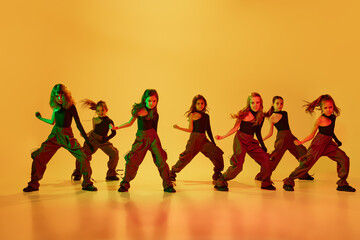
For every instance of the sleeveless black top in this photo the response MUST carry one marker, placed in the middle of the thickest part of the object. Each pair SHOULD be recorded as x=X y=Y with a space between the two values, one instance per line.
x=63 y=118
x=203 y=124
x=144 y=123
x=102 y=128
x=250 y=128
x=283 y=123
x=328 y=130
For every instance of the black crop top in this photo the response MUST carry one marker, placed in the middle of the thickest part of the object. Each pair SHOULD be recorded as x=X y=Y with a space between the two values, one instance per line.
x=328 y=130
x=283 y=123
x=250 y=128
x=203 y=124
x=63 y=118
x=102 y=128
x=145 y=124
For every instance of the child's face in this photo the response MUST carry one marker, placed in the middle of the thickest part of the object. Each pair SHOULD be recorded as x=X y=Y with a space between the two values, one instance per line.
x=100 y=111
x=255 y=103
x=200 y=104
x=327 y=107
x=60 y=98
x=278 y=104
x=151 y=102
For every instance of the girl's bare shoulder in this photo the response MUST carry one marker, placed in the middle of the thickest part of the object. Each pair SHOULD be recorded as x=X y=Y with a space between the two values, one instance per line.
x=248 y=117
x=195 y=116
x=142 y=112
x=323 y=121
x=275 y=117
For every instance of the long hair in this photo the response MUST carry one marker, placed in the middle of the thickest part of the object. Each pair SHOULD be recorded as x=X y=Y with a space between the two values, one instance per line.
x=243 y=112
x=61 y=89
x=93 y=105
x=193 y=105
x=272 y=109
x=317 y=104
x=138 y=106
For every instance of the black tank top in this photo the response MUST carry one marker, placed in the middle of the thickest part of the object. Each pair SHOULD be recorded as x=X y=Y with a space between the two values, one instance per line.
x=203 y=124
x=328 y=130
x=63 y=118
x=102 y=128
x=283 y=123
x=145 y=124
x=249 y=127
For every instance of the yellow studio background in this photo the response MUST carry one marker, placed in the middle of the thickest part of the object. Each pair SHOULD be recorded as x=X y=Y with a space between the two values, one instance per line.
x=114 y=50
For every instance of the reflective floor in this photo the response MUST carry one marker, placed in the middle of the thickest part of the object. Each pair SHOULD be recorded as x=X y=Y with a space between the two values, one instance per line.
x=61 y=210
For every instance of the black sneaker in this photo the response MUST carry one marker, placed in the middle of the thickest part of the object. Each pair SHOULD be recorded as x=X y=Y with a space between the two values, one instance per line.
x=222 y=188
x=216 y=176
x=270 y=187
x=90 y=188
x=122 y=189
x=112 y=178
x=223 y=184
x=30 y=189
x=169 y=189
x=75 y=176
x=307 y=176
x=288 y=187
x=346 y=188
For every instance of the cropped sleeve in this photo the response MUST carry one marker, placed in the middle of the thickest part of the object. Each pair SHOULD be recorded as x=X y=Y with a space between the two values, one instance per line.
x=113 y=132
x=208 y=129
x=259 y=137
x=78 y=123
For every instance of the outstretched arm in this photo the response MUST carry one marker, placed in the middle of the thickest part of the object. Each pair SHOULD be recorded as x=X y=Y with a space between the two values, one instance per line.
x=190 y=128
x=49 y=121
x=230 y=132
x=124 y=125
x=311 y=135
